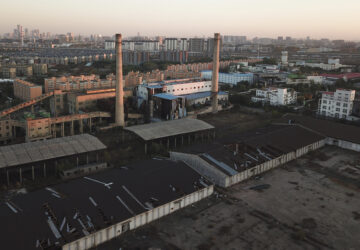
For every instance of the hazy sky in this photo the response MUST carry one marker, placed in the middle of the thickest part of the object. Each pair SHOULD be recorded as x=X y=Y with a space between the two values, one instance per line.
x=263 y=18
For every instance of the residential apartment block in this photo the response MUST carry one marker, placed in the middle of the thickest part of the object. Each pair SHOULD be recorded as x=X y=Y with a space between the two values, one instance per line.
x=275 y=96
x=338 y=104
x=26 y=90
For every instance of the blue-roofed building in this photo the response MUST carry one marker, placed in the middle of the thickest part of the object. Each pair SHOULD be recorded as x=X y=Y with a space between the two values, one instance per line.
x=204 y=97
x=229 y=78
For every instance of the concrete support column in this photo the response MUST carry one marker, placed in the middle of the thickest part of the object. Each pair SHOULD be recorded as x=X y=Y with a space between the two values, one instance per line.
x=145 y=148
x=32 y=109
x=214 y=135
x=151 y=109
x=168 y=143
x=90 y=124
x=182 y=140
x=77 y=161
x=20 y=175
x=54 y=130
x=7 y=177
x=175 y=142
x=81 y=125
x=189 y=139
x=62 y=129
x=44 y=170
x=97 y=157
x=33 y=172
x=87 y=159
x=72 y=127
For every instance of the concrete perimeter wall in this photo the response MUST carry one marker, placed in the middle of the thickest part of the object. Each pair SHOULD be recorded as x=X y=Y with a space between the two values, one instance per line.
x=343 y=144
x=223 y=180
x=106 y=234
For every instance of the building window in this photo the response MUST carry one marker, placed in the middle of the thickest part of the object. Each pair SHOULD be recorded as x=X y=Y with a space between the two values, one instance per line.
x=338 y=104
x=345 y=105
x=344 y=110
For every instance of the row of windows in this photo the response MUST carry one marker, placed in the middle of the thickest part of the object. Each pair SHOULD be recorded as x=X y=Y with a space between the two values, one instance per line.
x=187 y=88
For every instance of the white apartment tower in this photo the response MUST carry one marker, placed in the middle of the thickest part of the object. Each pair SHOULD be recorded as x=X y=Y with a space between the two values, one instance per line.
x=275 y=96
x=284 y=57
x=337 y=104
x=171 y=44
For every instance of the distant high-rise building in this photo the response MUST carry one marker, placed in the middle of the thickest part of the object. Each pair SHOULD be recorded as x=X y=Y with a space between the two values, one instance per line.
x=171 y=44
x=174 y=56
x=234 y=39
x=280 y=38
x=196 y=44
x=183 y=44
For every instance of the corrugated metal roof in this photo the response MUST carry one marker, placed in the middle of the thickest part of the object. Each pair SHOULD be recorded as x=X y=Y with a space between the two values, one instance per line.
x=166 y=96
x=165 y=129
x=201 y=95
x=49 y=149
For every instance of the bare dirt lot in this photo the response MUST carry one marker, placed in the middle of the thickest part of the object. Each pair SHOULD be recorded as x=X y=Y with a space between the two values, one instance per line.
x=312 y=203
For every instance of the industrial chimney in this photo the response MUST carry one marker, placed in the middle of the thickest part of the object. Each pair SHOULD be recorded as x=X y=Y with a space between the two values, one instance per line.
x=119 y=102
x=215 y=74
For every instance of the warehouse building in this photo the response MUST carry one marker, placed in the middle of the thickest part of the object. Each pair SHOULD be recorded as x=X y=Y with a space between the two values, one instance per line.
x=175 y=132
x=342 y=135
x=27 y=160
x=83 y=213
x=229 y=163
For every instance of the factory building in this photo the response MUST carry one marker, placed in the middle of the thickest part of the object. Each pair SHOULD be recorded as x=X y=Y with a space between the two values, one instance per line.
x=228 y=164
x=26 y=90
x=338 y=104
x=275 y=96
x=86 y=212
x=229 y=78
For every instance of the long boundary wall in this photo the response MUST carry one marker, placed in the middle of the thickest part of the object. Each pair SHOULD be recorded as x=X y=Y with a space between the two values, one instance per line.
x=343 y=144
x=116 y=230
x=223 y=180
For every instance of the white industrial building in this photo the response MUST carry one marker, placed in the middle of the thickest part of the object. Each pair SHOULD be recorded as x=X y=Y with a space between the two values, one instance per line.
x=173 y=87
x=275 y=96
x=229 y=78
x=337 y=104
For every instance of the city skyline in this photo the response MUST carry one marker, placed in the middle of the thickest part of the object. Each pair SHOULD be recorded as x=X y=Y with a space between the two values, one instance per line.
x=324 y=19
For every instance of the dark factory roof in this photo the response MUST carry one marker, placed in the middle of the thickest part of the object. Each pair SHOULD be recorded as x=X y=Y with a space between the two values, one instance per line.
x=327 y=128
x=29 y=152
x=254 y=147
x=69 y=211
x=165 y=129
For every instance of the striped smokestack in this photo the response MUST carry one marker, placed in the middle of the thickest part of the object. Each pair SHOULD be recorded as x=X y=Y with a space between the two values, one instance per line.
x=119 y=102
x=215 y=74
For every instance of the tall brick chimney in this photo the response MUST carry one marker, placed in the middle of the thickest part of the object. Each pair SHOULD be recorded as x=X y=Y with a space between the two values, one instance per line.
x=215 y=73
x=119 y=102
